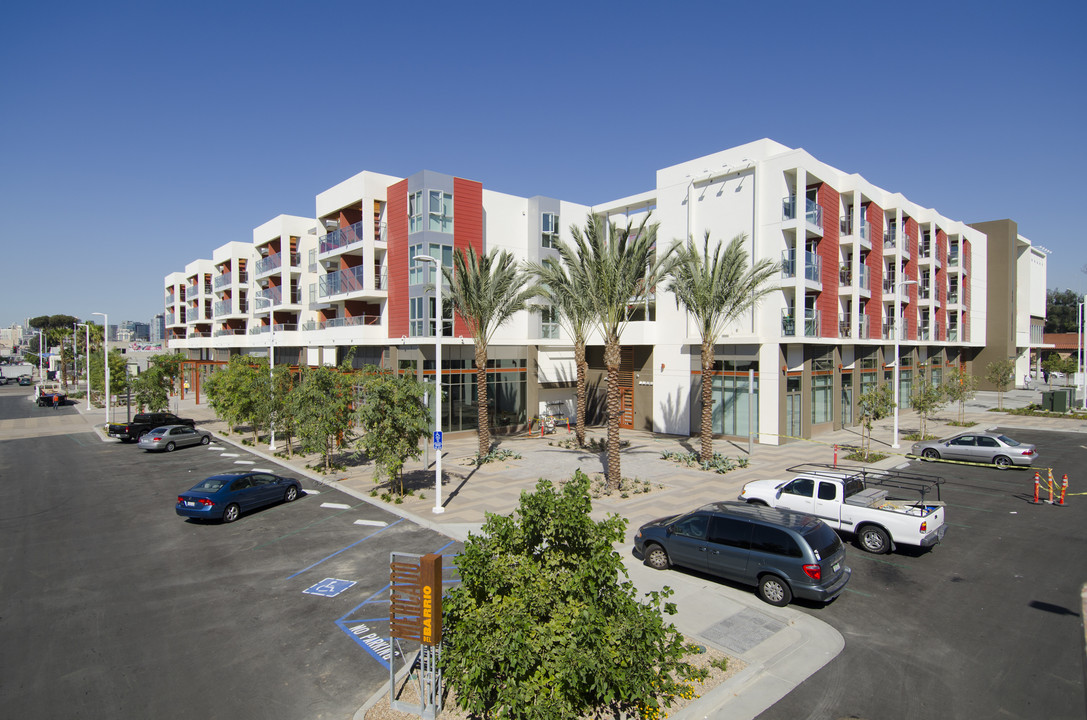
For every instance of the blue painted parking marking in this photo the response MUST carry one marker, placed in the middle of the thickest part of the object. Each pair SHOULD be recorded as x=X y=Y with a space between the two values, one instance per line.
x=329 y=587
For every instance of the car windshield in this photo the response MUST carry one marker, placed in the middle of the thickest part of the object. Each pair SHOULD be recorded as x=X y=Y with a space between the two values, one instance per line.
x=1007 y=440
x=160 y=431
x=212 y=484
x=824 y=541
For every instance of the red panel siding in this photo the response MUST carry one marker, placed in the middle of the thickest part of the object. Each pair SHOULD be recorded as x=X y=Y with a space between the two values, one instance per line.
x=941 y=285
x=910 y=271
x=397 y=218
x=827 y=301
x=874 y=309
x=467 y=228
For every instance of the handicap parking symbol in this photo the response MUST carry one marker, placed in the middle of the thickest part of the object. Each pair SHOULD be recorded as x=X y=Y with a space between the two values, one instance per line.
x=329 y=587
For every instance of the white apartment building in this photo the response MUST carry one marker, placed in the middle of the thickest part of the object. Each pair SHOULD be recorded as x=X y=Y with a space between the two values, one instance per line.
x=859 y=264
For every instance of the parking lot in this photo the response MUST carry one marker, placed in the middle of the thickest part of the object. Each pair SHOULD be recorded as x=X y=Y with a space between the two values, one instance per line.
x=116 y=607
x=988 y=624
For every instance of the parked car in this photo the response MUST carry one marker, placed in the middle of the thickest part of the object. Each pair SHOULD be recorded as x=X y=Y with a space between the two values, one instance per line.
x=171 y=437
x=785 y=554
x=225 y=497
x=25 y=380
x=143 y=423
x=981 y=447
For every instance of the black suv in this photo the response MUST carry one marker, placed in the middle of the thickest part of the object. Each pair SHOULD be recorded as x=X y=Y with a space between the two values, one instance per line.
x=783 y=553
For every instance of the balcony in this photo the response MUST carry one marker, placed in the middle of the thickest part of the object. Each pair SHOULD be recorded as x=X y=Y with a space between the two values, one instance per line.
x=953 y=256
x=353 y=321
x=350 y=280
x=170 y=298
x=813 y=265
x=222 y=280
x=267 y=264
x=342 y=238
x=223 y=307
x=810 y=323
x=844 y=322
x=170 y=319
x=231 y=331
x=864 y=327
x=953 y=334
x=924 y=292
x=813 y=211
x=953 y=297
x=889 y=330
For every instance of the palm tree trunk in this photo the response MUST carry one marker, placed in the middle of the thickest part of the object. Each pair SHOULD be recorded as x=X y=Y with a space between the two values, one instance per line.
x=481 y=395
x=611 y=362
x=582 y=366
x=707 y=403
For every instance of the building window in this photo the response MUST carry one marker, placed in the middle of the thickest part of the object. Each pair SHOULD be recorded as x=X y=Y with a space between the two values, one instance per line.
x=549 y=318
x=416 y=317
x=418 y=270
x=549 y=236
x=730 y=399
x=440 y=212
x=415 y=211
x=822 y=387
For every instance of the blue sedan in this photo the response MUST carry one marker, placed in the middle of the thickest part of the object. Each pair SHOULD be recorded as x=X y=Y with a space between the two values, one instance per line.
x=225 y=497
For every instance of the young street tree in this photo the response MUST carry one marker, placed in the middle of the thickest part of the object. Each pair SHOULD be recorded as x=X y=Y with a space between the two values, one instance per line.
x=564 y=287
x=150 y=389
x=393 y=419
x=927 y=401
x=960 y=388
x=873 y=405
x=716 y=288
x=321 y=403
x=622 y=268
x=545 y=623
x=239 y=392
x=999 y=374
x=486 y=291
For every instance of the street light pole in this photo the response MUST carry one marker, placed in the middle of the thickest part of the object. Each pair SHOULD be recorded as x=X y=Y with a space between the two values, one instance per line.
x=40 y=373
x=898 y=352
x=438 y=328
x=87 y=352
x=271 y=366
x=105 y=358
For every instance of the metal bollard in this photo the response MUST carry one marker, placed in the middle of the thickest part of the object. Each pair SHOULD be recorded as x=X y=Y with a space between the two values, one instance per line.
x=1037 y=483
x=835 y=456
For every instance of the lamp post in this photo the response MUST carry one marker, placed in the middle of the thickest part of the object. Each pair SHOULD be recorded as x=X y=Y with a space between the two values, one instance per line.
x=898 y=351
x=40 y=373
x=87 y=352
x=105 y=357
x=271 y=365
x=438 y=509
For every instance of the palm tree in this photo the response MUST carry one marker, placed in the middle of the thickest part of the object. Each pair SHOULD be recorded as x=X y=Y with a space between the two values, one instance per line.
x=716 y=289
x=621 y=269
x=486 y=291
x=563 y=286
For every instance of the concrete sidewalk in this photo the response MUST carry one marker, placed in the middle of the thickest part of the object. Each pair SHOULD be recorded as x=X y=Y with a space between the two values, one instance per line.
x=781 y=647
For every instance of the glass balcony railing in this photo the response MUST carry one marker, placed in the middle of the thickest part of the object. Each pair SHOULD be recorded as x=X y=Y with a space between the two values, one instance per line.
x=864 y=327
x=341 y=237
x=267 y=264
x=170 y=298
x=953 y=334
x=223 y=307
x=169 y=318
x=953 y=255
x=813 y=211
x=953 y=297
x=864 y=232
x=222 y=280
x=888 y=330
x=350 y=280
x=809 y=323
x=925 y=292
x=352 y=321
x=844 y=326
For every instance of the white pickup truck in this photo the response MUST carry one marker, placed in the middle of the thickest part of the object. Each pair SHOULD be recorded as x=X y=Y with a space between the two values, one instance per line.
x=867 y=503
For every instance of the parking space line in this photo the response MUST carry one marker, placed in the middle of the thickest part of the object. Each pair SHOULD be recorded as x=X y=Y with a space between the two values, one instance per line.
x=345 y=549
x=308 y=525
x=335 y=506
x=230 y=455
x=375 y=523
x=245 y=462
x=858 y=592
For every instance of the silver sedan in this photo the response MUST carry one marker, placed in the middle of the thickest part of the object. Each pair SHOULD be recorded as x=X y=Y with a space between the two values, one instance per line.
x=171 y=437
x=980 y=447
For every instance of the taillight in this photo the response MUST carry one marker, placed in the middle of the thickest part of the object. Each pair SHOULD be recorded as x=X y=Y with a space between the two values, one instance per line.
x=205 y=502
x=924 y=526
x=180 y=499
x=155 y=439
x=813 y=571
x=1028 y=452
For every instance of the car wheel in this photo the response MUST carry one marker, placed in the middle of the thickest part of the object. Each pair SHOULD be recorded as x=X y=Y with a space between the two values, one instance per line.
x=760 y=503
x=874 y=540
x=930 y=454
x=170 y=447
x=205 y=440
x=1002 y=462
x=657 y=558
x=231 y=513
x=773 y=590
x=139 y=436
x=291 y=495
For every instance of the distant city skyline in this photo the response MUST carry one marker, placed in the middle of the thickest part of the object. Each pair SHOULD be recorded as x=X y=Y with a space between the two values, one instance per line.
x=130 y=153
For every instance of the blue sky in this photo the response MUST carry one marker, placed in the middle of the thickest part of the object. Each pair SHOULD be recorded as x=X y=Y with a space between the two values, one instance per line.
x=137 y=137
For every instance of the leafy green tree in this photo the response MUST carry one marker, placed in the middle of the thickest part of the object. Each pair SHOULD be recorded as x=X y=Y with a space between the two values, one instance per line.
x=150 y=389
x=1000 y=374
x=873 y=405
x=282 y=411
x=927 y=401
x=239 y=392
x=563 y=286
x=960 y=388
x=118 y=379
x=170 y=363
x=321 y=404
x=545 y=623
x=1061 y=311
x=622 y=268
x=486 y=291
x=393 y=419
x=716 y=288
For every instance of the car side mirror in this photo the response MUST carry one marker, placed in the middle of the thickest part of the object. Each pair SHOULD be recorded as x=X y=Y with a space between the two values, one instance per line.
x=778 y=494
x=669 y=530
